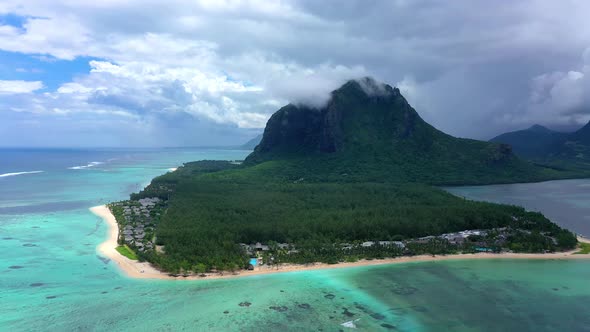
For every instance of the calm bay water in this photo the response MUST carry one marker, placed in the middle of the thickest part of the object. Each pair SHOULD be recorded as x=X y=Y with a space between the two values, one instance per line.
x=52 y=278
x=566 y=202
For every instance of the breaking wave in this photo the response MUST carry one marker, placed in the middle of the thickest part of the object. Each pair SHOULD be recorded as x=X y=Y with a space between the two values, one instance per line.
x=18 y=173
x=92 y=164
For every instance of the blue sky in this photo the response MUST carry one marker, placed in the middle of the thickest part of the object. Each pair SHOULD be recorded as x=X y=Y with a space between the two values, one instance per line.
x=175 y=73
x=13 y=20
x=52 y=72
x=36 y=67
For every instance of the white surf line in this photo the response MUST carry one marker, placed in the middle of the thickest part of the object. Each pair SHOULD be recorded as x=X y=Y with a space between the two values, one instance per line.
x=19 y=173
x=91 y=164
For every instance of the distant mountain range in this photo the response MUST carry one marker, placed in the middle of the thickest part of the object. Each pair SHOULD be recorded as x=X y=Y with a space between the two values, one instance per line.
x=541 y=143
x=251 y=144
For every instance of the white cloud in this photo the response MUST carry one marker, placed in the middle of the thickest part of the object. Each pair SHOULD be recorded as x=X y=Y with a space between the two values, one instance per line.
x=462 y=64
x=75 y=88
x=63 y=37
x=13 y=87
x=409 y=89
x=559 y=97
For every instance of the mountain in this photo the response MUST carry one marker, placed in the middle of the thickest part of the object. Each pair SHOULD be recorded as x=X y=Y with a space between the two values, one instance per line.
x=577 y=144
x=369 y=132
x=251 y=144
x=582 y=135
x=357 y=169
x=533 y=142
x=540 y=143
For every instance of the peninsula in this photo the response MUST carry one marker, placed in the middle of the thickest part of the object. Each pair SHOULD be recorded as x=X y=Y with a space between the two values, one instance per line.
x=351 y=183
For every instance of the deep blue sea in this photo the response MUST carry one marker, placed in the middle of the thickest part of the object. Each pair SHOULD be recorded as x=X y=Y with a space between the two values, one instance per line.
x=52 y=279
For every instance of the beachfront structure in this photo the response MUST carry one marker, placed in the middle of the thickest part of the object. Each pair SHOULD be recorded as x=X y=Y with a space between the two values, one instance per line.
x=137 y=225
x=367 y=244
x=425 y=239
x=253 y=263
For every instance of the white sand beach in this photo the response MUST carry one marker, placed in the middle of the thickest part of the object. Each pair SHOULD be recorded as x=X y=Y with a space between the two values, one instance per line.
x=144 y=270
x=131 y=268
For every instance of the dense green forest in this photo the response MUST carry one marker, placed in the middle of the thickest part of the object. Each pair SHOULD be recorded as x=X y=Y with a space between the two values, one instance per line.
x=322 y=181
x=209 y=213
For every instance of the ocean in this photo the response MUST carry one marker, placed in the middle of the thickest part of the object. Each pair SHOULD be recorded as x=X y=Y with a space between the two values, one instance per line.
x=52 y=278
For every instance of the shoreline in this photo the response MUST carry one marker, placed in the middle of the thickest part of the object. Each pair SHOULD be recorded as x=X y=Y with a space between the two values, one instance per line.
x=144 y=270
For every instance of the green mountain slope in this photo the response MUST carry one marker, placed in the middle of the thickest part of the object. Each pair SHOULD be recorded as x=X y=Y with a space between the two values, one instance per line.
x=369 y=132
x=577 y=145
x=569 y=151
x=536 y=141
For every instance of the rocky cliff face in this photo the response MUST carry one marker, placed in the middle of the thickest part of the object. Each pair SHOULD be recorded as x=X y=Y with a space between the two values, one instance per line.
x=360 y=113
x=368 y=131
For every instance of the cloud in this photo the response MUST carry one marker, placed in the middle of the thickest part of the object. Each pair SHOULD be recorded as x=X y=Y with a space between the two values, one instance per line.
x=13 y=87
x=307 y=86
x=372 y=87
x=472 y=68
x=559 y=98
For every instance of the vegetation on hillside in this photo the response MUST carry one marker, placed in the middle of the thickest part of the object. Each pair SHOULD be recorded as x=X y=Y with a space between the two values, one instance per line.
x=564 y=152
x=378 y=136
x=323 y=181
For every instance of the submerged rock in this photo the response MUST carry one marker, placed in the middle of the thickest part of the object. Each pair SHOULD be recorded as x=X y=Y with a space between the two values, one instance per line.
x=104 y=260
x=347 y=313
x=388 y=326
x=378 y=316
x=37 y=284
x=279 y=308
x=245 y=304
x=419 y=308
x=360 y=307
x=404 y=290
x=330 y=296
x=304 y=306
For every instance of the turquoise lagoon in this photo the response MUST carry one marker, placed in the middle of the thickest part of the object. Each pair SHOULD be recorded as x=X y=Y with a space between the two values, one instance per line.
x=53 y=280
